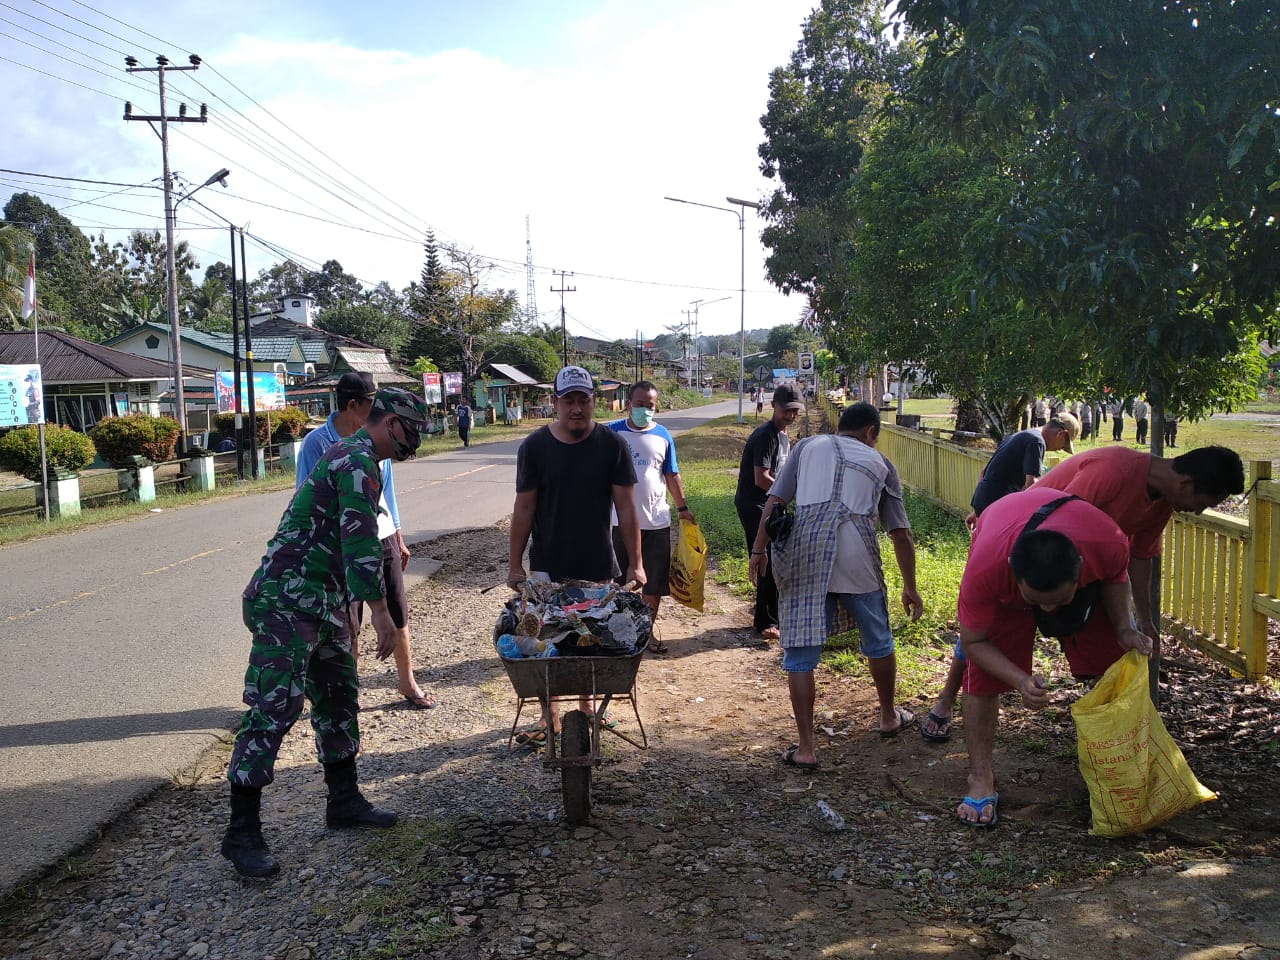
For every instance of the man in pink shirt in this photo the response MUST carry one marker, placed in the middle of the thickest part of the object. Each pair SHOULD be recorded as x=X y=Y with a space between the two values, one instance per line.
x=1140 y=492
x=1044 y=560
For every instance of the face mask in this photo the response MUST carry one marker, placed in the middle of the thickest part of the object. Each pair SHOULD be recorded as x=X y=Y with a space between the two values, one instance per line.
x=642 y=416
x=407 y=445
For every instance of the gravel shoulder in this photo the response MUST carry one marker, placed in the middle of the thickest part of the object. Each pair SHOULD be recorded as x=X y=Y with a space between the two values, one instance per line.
x=703 y=846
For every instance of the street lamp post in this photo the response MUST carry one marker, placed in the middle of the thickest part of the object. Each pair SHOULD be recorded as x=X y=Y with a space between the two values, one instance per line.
x=697 y=340
x=741 y=214
x=175 y=337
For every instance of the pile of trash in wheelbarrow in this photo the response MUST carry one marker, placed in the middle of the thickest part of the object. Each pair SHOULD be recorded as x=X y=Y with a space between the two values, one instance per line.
x=573 y=619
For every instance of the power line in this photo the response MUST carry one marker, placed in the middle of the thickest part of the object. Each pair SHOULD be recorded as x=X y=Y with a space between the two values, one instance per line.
x=48 y=23
x=100 y=183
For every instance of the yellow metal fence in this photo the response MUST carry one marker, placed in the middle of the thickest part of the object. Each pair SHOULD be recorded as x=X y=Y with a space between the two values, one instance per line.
x=1220 y=575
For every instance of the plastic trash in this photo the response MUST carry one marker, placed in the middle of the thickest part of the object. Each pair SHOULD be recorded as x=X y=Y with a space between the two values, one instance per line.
x=826 y=819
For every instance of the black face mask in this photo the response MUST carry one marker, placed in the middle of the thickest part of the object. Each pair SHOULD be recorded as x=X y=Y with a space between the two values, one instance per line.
x=407 y=445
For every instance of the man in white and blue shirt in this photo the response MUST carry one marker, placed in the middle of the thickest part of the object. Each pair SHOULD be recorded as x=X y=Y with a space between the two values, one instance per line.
x=653 y=451
x=354 y=395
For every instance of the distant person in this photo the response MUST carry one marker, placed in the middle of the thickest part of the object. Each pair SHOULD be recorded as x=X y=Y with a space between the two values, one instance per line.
x=1170 y=430
x=325 y=554
x=763 y=456
x=653 y=454
x=1086 y=420
x=1117 y=418
x=1039 y=412
x=465 y=417
x=1140 y=411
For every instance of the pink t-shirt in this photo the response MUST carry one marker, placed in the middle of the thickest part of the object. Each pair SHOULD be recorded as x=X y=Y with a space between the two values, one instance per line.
x=1114 y=479
x=988 y=587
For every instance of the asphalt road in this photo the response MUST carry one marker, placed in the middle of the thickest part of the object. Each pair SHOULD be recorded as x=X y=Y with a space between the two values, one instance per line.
x=126 y=652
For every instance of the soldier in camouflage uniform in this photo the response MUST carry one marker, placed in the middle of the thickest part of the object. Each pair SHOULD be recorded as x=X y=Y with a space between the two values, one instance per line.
x=324 y=555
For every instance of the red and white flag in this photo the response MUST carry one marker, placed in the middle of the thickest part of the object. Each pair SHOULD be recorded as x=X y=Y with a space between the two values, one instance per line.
x=29 y=291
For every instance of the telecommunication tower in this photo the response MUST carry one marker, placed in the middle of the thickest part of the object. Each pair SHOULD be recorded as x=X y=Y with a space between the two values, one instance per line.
x=530 y=295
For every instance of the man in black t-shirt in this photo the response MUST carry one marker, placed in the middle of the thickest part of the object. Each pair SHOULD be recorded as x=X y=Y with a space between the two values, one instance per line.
x=568 y=474
x=1019 y=460
x=763 y=456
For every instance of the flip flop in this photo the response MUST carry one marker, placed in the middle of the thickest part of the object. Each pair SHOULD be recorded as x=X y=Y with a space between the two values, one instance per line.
x=905 y=719
x=978 y=806
x=424 y=702
x=533 y=737
x=941 y=728
x=657 y=646
x=608 y=722
x=789 y=758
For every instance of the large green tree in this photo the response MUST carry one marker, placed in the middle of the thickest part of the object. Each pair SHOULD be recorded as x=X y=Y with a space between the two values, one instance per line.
x=1148 y=206
x=367 y=322
x=63 y=255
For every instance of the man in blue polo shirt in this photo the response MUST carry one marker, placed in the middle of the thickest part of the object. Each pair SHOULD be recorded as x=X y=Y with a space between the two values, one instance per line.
x=653 y=452
x=354 y=395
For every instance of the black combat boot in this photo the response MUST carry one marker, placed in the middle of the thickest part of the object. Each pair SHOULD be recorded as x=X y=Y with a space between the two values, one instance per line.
x=347 y=807
x=243 y=844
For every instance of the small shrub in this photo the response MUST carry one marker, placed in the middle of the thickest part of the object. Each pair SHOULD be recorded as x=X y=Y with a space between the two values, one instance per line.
x=66 y=450
x=120 y=439
x=286 y=424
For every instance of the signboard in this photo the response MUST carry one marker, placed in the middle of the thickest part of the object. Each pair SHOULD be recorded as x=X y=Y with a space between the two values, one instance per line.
x=452 y=383
x=762 y=373
x=268 y=391
x=805 y=361
x=21 y=394
x=121 y=401
x=431 y=388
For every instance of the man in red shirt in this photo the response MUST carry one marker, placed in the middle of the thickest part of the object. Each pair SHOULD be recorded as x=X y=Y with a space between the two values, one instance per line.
x=1017 y=579
x=1140 y=492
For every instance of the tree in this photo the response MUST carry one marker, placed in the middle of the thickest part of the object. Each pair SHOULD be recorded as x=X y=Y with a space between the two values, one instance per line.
x=368 y=323
x=455 y=315
x=533 y=355
x=821 y=106
x=63 y=255
x=13 y=244
x=1148 y=209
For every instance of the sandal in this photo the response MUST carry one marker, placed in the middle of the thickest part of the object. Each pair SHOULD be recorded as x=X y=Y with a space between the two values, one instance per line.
x=905 y=719
x=789 y=758
x=533 y=737
x=657 y=646
x=941 y=731
x=608 y=722
x=978 y=807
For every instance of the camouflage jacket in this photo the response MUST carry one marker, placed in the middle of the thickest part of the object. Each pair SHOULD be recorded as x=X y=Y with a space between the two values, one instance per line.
x=326 y=551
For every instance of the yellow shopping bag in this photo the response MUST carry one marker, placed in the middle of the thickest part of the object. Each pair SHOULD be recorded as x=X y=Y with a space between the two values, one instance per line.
x=689 y=565
x=1136 y=774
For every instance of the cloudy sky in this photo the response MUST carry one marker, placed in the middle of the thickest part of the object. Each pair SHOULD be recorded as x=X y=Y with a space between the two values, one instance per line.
x=349 y=128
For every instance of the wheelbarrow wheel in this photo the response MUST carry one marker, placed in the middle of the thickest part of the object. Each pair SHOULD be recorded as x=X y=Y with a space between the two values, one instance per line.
x=575 y=741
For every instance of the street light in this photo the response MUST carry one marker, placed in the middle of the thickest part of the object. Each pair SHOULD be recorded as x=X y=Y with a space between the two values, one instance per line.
x=175 y=341
x=741 y=214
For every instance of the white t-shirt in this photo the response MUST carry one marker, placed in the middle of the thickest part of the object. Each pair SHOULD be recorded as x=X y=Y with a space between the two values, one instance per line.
x=653 y=452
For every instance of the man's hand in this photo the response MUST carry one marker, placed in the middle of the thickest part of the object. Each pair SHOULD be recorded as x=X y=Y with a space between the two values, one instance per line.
x=971 y=522
x=1035 y=694
x=1131 y=639
x=912 y=603
x=386 y=630
x=404 y=552
x=759 y=563
x=636 y=575
x=516 y=576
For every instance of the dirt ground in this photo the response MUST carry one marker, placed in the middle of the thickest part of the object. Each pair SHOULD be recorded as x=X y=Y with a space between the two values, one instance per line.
x=704 y=845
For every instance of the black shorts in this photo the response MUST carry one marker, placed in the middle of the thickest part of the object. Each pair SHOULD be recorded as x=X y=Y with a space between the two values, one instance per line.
x=393 y=578
x=655 y=552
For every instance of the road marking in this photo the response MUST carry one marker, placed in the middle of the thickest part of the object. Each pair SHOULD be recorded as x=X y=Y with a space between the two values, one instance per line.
x=178 y=563
x=456 y=476
x=93 y=593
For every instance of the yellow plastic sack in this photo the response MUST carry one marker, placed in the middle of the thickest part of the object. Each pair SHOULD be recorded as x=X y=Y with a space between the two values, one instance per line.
x=689 y=565
x=1136 y=774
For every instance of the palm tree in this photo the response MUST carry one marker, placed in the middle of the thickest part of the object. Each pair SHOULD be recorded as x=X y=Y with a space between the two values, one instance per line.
x=15 y=249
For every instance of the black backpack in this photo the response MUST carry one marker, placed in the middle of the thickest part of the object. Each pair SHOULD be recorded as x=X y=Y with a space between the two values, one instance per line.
x=1070 y=618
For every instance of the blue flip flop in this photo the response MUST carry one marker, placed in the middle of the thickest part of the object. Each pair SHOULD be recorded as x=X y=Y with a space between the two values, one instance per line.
x=978 y=806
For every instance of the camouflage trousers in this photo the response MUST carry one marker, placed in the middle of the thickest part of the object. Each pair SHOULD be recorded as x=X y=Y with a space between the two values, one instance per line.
x=294 y=655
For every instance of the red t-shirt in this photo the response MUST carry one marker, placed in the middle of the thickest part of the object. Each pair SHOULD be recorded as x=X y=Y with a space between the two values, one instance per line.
x=1114 y=479
x=988 y=588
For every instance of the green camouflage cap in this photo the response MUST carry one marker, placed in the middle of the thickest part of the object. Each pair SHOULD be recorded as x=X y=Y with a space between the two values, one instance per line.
x=404 y=404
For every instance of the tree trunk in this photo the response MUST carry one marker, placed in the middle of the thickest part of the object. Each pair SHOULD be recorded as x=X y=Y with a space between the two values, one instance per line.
x=969 y=417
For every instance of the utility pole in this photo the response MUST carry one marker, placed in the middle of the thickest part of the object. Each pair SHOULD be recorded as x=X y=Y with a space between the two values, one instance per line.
x=564 y=333
x=175 y=341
